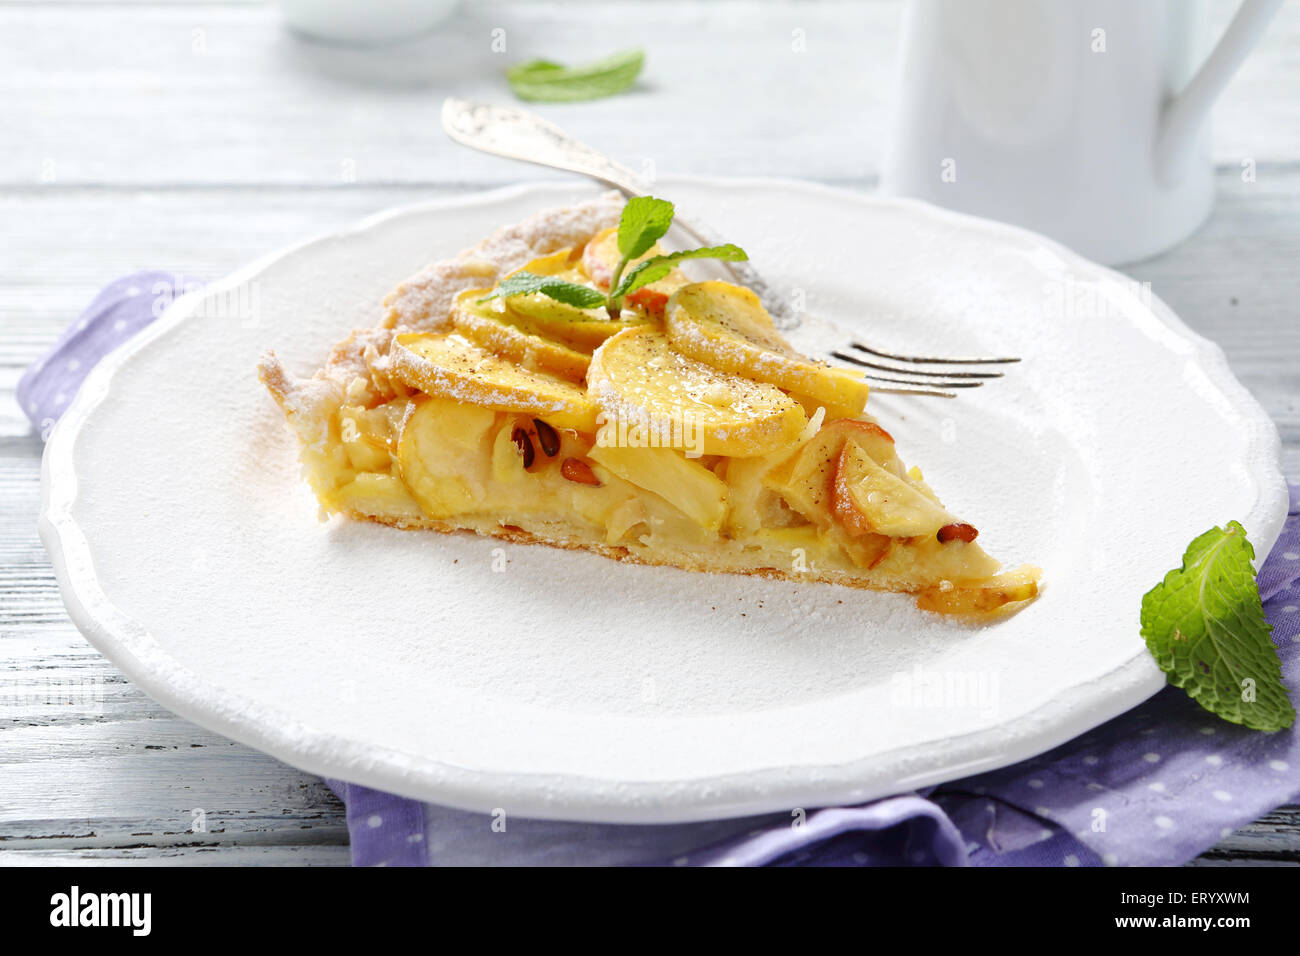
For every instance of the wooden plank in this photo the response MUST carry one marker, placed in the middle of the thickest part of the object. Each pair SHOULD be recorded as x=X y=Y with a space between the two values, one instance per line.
x=181 y=856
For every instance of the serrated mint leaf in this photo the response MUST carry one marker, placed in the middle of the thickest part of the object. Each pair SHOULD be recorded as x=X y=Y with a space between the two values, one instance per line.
x=644 y=222
x=561 y=290
x=547 y=81
x=652 y=270
x=1204 y=624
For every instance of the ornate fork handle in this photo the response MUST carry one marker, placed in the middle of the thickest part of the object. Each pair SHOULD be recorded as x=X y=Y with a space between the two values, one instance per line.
x=515 y=134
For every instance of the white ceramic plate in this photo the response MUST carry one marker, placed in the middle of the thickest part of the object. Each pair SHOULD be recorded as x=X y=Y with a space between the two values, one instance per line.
x=568 y=686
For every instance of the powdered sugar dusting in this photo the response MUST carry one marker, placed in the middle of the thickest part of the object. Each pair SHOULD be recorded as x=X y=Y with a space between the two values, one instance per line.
x=423 y=302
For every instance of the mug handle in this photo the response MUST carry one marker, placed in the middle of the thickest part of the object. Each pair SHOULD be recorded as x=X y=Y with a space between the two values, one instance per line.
x=1184 y=114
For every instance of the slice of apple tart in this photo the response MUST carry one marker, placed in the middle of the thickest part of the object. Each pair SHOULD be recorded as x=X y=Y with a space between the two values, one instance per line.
x=563 y=383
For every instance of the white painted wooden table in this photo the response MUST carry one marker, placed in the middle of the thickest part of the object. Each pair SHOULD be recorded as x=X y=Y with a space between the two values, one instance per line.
x=196 y=136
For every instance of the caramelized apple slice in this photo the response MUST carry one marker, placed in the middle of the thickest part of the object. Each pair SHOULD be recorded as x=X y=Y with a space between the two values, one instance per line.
x=450 y=366
x=652 y=395
x=726 y=326
x=984 y=597
x=806 y=478
x=868 y=499
x=486 y=324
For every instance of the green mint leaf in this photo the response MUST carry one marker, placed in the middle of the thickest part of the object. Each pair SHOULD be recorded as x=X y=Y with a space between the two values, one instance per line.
x=652 y=270
x=544 y=80
x=1204 y=624
x=644 y=221
x=535 y=68
x=561 y=290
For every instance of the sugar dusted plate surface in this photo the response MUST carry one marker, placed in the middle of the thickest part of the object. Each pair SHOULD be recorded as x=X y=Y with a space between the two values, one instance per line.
x=555 y=684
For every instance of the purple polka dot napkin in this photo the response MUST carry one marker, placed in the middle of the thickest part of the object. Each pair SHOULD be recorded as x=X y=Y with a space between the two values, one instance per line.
x=121 y=309
x=1155 y=786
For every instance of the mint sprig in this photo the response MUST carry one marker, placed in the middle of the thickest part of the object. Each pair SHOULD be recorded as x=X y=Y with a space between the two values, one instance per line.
x=644 y=221
x=547 y=81
x=1204 y=625
x=654 y=269
x=561 y=290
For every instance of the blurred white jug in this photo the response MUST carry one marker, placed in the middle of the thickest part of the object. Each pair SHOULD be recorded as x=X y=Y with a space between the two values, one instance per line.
x=1081 y=119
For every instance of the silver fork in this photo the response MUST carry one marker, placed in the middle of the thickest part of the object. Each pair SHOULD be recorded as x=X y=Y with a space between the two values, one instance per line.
x=515 y=134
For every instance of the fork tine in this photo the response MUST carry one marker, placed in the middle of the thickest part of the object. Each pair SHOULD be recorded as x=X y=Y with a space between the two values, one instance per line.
x=946 y=380
x=919 y=383
x=913 y=371
x=912 y=391
x=935 y=360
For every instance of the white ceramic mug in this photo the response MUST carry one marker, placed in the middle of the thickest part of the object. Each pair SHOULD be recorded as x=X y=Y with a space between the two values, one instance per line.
x=1081 y=119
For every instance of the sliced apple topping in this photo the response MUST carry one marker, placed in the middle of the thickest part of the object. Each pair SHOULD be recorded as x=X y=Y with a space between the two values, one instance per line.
x=806 y=478
x=443 y=453
x=582 y=329
x=571 y=326
x=450 y=366
x=984 y=597
x=646 y=388
x=488 y=324
x=726 y=326
x=687 y=485
x=868 y=499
